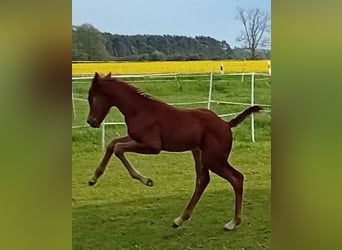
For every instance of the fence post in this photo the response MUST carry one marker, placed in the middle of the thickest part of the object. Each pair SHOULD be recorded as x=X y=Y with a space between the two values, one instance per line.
x=252 y=103
x=269 y=66
x=177 y=81
x=243 y=71
x=73 y=101
x=103 y=135
x=210 y=89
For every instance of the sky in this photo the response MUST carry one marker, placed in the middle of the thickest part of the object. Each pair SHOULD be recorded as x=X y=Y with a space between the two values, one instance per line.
x=214 y=18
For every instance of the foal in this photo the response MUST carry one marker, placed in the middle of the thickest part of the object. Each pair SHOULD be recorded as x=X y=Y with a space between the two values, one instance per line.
x=154 y=126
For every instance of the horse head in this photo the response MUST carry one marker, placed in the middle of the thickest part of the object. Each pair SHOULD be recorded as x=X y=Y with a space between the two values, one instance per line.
x=99 y=102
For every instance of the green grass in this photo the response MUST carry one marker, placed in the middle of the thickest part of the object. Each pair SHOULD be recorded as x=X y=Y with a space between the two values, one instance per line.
x=122 y=213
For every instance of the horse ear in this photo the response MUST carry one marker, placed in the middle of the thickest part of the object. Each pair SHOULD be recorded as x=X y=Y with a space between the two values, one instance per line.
x=108 y=76
x=96 y=79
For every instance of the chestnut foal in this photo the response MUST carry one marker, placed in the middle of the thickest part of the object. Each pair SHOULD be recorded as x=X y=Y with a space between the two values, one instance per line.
x=154 y=126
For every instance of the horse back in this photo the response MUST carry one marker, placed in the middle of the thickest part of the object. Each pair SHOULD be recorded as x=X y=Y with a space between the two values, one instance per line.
x=182 y=129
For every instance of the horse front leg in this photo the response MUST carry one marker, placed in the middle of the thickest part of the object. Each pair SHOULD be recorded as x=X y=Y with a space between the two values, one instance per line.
x=135 y=147
x=103 y=164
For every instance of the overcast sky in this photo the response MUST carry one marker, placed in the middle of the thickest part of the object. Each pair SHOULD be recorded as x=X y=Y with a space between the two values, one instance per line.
x=214 y=18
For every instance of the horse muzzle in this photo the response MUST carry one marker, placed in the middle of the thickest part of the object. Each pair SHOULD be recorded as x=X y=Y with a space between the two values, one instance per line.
x=93 y=122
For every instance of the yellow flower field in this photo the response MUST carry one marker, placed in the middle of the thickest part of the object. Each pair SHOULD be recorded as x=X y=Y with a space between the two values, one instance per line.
x=124 y=68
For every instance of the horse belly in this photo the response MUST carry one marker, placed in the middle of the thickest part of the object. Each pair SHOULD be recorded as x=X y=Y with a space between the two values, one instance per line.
x=181 y=139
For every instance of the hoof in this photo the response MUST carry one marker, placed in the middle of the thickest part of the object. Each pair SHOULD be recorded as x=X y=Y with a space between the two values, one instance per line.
x=149 y=183
x=231 y=225
x=174 y=225
x=91 y=183
x=177 y=222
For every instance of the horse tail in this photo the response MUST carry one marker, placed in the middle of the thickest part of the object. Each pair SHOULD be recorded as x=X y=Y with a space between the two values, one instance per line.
x=237 y=120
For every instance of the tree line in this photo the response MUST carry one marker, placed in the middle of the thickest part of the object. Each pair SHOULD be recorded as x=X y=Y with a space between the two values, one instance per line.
x=89 y=44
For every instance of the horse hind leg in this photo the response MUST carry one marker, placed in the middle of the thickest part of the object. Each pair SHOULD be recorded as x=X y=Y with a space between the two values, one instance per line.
x=202 y=180
x=235 y=178
x=103 y=164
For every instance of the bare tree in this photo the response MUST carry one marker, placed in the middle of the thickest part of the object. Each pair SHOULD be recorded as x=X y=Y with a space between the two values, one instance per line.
x=256 y=24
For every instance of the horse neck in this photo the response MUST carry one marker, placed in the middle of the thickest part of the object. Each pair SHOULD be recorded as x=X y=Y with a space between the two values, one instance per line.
x=126 y=98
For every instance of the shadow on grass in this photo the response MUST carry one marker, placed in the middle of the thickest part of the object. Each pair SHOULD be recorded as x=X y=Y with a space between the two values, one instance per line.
x=145 y=223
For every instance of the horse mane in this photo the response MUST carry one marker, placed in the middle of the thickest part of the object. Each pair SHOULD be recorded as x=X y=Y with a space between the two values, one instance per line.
x=131 y=88
x=144 y=94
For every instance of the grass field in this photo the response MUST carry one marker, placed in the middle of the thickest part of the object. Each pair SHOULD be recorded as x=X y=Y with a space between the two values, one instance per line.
x=122 y=213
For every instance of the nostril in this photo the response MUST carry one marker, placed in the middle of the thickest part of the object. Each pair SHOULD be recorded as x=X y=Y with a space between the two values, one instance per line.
x=92 y=121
